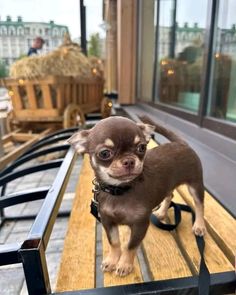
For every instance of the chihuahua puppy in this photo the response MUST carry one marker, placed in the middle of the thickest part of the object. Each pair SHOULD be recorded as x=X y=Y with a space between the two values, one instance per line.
x=133 y=180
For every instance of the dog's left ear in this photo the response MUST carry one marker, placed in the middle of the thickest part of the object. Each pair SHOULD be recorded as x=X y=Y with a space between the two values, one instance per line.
x=79 y=141
x=147 y=130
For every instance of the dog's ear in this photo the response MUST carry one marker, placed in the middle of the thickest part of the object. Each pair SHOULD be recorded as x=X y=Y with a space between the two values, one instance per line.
x=147 y=130
x=79 y=141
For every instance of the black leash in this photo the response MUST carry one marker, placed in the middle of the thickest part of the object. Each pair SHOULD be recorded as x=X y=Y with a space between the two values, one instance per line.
x=204 y=275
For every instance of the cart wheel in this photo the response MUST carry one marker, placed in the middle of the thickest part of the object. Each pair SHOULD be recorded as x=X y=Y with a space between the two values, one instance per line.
x=11 y=126
x=106 y=106
x=73 y=116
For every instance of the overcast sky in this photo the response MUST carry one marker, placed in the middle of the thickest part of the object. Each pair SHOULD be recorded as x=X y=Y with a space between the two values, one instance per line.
x=65 y=12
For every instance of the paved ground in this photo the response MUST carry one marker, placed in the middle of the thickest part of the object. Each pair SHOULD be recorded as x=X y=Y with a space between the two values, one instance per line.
x=12 y=277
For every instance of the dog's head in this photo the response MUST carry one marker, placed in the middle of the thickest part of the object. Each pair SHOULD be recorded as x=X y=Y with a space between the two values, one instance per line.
x=117 y=148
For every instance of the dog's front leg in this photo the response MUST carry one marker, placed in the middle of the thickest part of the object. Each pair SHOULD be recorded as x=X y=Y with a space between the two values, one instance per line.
x=125 y=264
x=110 y=262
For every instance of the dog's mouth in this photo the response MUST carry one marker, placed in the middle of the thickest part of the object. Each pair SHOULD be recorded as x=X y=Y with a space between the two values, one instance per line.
x=124 y=177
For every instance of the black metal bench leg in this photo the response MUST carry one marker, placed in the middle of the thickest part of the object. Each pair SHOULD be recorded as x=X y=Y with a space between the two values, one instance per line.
x=35 y=267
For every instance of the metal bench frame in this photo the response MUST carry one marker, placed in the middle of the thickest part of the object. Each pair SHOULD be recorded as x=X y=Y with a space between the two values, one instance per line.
x=31 y=252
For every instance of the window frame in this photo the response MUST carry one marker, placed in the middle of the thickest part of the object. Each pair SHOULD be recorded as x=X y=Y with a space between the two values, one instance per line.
x=200 y=118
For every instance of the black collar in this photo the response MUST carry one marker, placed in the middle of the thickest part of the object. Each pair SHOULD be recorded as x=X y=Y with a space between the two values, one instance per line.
x=111 y=189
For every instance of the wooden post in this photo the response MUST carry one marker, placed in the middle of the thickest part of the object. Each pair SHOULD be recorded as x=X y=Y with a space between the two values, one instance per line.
x=127 y=47
x=110 y=15
x=146 y=54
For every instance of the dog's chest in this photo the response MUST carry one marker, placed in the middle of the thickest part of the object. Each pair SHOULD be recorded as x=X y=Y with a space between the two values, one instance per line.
x=122 y=210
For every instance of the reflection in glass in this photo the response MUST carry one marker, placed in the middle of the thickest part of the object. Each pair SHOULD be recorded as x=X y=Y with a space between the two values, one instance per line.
x=180 y=52
x=223 y=96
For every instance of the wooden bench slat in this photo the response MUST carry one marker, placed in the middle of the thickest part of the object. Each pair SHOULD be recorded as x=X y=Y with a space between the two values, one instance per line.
x=220 y=224
x=111 y=279
x=164 y=257
x=77 y=268
x=215 y=259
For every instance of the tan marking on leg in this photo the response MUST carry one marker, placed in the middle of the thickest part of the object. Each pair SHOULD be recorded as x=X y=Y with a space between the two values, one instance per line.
x=126 y=262
x=161 y=212
x=108 y=142
x=109 y=263
x=199 y=227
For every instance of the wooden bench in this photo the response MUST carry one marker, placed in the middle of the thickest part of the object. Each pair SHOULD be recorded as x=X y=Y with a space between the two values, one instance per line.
x=163 y=255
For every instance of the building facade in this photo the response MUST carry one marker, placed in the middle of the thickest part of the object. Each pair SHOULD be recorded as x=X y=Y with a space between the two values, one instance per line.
x=17 y=36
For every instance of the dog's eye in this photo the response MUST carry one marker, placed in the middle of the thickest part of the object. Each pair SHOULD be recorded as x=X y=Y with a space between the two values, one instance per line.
x=105 y=154
x=141 y=148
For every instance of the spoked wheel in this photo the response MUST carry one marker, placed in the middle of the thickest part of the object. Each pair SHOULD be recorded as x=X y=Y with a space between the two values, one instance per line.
x=73 y=116
x=106 y=107
x=11 y=125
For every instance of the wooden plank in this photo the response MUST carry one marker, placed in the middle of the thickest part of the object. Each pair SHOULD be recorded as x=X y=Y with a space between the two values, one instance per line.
x=31 y=97
x=111 y=279
x=89 y=108
x=68 y=94
x=19 y=150
x=36 y=115
x=6 y=138
x=60 y=96
x=77 y=268
x=220 y=224
x=74 y=93
x=22 y=137
x=47 y=99
x=164 y=257
x=215 y=259
x=16 y=98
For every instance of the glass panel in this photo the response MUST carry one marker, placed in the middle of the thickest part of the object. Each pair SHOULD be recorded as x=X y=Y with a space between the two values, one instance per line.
x=147 y=25
x=182 y=31
x=223 y=96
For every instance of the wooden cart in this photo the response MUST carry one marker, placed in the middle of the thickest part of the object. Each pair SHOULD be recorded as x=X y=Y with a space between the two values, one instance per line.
x=54 y=99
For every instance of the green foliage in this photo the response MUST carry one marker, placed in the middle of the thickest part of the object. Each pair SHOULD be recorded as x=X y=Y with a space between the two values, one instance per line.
x=94 y=45
x=3 y=69
x=21 y=56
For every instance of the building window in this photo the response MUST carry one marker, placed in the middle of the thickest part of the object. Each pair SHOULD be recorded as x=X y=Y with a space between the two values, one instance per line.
x=222 y=102
x=20 y=31
x=3 y=31
x=180 y=66
x=12 y=31
x=55 y=32
x=27 y=31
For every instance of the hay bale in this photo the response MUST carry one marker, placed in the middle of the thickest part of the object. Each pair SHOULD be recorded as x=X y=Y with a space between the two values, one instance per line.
x=67 y=60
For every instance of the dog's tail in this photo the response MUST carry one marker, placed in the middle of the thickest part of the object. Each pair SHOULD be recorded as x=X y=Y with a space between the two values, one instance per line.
x=162 y=130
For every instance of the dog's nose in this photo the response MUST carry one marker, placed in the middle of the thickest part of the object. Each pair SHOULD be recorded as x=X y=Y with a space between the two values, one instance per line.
x=128 y=163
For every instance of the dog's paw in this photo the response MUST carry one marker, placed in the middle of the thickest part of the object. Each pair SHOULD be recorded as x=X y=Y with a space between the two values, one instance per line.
x=123 y=269
x=160 y=214
x=110 y=262
x=108 y=265
x=199 y=229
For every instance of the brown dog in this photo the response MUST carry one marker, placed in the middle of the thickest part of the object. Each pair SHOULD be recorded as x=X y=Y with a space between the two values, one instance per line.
x=132 y=180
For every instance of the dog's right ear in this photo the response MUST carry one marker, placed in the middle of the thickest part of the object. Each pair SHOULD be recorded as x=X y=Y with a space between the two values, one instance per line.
x=80 y=141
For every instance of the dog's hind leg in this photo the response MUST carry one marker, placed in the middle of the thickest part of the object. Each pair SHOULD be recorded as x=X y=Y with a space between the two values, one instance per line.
x=197 y=192
x=161 y=212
